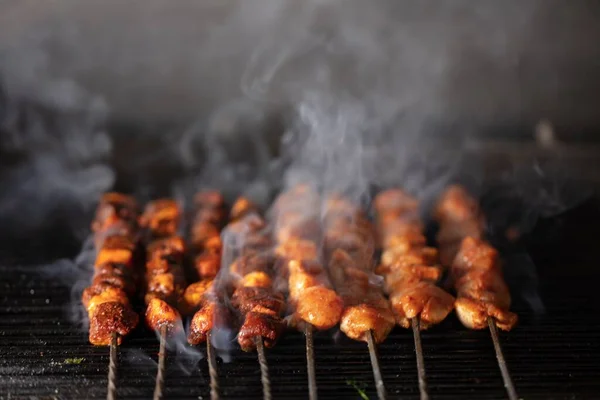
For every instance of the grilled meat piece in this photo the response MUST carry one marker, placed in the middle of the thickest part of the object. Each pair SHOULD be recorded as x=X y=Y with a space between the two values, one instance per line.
x=161 y=218
x=107 y=298
x=265 y=326
x=409 y=267
x=206 y=233
x=165 y=281
x=423 y=299
x=113 y=209
x=257 y=299
x=207 y=265
x=203 y=232
x=319 y=306
x=258 y=306
x=204 y=320
x=201 y=298
x=116 y=249
x=194 y=296
x=365 y=307
x=111 y=317
x=456 y=205
x=159 y=313
x=297 y=229
x=259 y=279
x=475 y=268
x=242 y=207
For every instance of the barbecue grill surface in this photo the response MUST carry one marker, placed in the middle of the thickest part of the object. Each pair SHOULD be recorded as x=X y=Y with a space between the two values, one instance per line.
x=552 y=356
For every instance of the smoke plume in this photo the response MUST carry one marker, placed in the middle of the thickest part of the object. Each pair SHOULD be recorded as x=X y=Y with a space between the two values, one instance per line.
x=348 y=95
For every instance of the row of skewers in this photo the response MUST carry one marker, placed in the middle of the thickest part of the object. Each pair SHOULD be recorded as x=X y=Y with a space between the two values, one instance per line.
x=311 y=266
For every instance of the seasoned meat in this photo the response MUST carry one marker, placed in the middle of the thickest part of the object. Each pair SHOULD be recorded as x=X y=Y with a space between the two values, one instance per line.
x=422 y=299
x=298 y=249
x=410 y=268
x=161 y=218
x=94 y=296
x=242 y=207
x=257 y=299
x=107 y=299
x=114 y=208
x=194 y=296
x=357 y=320
x=111 y=317
x=474 y=264
x=474 y=313
x=268 y=327
x=115 y=249
x=159 y=313
x=256 y=279
x=162 y=254
x=319 y=306
x=202 y=232
x=207 y=265
x=202 y=323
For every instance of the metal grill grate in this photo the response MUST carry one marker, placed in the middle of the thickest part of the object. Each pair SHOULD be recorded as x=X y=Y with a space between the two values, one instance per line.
x=41 y=354
x=554 y=356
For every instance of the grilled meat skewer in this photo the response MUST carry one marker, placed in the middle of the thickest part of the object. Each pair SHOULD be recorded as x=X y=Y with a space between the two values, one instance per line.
x=165 y=281
x=201 y=299
x=475 y=268
x=260 y=307
x=349 y=244
x=410 y=268
x=250 y=281
x=107 y=299
x=300 y=271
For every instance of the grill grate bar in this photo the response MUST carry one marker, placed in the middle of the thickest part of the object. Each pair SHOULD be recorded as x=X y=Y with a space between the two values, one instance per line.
x=112 y=369
x=416 y=322
x=310 y=362
x=160 y=373
x=264 y=369
x=508 y=383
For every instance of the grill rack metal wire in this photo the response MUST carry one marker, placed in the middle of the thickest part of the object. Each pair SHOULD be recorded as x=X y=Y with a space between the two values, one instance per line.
x=41 y=352
x=44 y=354
x=457 y=362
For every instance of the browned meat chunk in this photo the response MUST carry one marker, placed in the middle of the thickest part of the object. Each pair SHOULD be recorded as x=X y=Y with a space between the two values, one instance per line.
x=159 y=314
x=207 y=265
x=194 y=296
x=111 y=317
x=242 y=207
x=258 y=325
x=257 y=299
x=114 y=208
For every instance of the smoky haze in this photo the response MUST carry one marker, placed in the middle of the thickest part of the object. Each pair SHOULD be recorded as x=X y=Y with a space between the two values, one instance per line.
x=260 y=94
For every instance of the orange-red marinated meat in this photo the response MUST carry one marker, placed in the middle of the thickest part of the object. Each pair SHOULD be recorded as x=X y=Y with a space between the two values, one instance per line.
x=410 y=268
x=107 y=299
x=474 y=264
x=297 y=231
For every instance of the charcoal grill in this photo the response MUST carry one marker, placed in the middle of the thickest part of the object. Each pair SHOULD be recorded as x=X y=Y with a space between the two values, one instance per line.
x=550 y=356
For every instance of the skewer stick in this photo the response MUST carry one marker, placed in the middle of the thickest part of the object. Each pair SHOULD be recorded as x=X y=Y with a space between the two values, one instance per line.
x=508 y=384
x=264 y=369
x=112 y=369
x=381 y=395
x=212 y=369
x=162 y=356
x=416 y=323
x=310 y=362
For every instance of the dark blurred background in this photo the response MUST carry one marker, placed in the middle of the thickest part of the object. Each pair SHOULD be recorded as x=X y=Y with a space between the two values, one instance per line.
x=160 y=98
